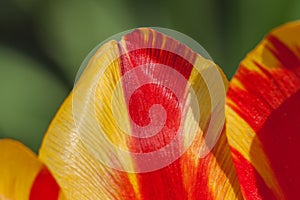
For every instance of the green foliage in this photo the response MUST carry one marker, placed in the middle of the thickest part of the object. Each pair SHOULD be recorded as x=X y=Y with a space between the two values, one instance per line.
x=30 y=97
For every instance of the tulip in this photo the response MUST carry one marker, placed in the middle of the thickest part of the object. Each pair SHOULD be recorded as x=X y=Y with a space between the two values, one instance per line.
x=149 y=118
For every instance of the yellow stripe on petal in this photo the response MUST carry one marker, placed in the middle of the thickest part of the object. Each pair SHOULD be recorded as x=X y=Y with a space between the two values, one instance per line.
x=244 y=139
x=77 y=169
x=215 y=171
x=222 y=172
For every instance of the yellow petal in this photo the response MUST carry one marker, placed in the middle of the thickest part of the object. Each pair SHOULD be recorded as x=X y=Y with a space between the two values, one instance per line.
x=23 y=176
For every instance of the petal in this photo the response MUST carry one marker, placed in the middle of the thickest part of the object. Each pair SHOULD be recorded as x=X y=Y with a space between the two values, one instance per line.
x=130 y=128
x=23 y=176
x=263 y=116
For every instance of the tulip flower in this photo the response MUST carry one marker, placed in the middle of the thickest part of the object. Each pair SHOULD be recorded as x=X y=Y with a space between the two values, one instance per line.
x=149 y=118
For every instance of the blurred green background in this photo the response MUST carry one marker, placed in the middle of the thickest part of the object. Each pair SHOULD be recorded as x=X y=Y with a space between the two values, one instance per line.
x=42 y=44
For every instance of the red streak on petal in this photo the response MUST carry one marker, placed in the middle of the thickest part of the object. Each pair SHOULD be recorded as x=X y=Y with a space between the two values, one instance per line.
x=252 y=104
x=254 y=188
x=44 y=186
x=262 y=94
x=166 y=183
x=139 y=106
x=285 y=55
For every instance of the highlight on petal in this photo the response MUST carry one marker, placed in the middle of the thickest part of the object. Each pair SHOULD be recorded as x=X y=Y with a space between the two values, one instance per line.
x=23 y=176
x=263 y=117
x=144 y=121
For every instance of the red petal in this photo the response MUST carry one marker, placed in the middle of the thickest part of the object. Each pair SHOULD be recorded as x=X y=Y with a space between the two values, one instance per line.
x=263 y=116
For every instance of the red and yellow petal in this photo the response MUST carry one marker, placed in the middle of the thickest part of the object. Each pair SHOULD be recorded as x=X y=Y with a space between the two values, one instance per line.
x=263 y=121
x=23 y=176
x=87 y=144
